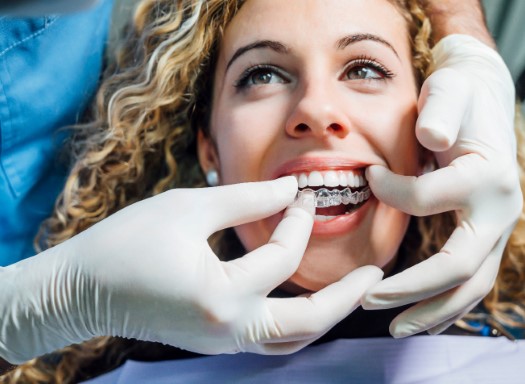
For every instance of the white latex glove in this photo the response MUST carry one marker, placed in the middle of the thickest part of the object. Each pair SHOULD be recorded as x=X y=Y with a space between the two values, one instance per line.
x=467 y=117
x=147 y=272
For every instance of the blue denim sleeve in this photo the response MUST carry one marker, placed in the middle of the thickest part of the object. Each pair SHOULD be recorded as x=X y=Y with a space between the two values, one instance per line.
x=39 y=7
x=49 y=70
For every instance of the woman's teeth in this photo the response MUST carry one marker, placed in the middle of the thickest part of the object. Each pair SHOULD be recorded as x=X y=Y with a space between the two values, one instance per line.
x=325 y=198
x=330 y=179
x=352 y=196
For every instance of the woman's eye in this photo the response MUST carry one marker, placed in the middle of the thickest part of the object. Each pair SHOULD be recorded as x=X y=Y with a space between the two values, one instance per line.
x=363 y=73
x=265 y=77
x=260 y=76
x=367 y=68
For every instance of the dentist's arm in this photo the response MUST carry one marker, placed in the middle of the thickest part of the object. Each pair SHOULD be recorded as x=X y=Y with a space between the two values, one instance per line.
x=147 y=272
x=467 y=118
x=458 y=17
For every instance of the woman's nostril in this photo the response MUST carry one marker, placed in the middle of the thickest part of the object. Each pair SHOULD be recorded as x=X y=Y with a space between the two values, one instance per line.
x=302 y=127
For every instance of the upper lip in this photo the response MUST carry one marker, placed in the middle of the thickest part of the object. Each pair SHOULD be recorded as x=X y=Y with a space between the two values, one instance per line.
x=317 y=163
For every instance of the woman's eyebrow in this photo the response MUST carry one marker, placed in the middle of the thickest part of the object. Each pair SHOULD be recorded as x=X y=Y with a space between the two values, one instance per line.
x=345 y=41
x=274 y=45
x=281 y=48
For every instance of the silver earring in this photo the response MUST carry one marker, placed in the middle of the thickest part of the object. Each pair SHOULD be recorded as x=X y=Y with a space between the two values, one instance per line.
x=212 y=178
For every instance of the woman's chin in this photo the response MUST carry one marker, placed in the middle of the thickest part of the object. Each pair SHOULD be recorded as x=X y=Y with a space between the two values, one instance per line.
x=315 y=274
x=302 y=282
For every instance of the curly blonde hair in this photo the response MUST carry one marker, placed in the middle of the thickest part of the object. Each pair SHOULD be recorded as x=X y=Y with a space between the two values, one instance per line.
x=142 y=141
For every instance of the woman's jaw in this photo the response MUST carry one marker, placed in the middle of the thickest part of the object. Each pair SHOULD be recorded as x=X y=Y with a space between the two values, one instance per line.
x=325 y=103
x=354 y=235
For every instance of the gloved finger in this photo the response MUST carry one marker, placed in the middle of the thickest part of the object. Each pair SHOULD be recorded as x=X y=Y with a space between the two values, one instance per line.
x=439 y=191
x=443 y=99
x=440 y=328
x=401 y=327
x=231 y=205
x=457 y=262
x=279 y=347
x=284 y=348
x=448 y=306
x=268 y=266
x=303 y=318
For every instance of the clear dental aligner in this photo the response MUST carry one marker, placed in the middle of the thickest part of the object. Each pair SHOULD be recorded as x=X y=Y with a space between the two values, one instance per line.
x=330 y=198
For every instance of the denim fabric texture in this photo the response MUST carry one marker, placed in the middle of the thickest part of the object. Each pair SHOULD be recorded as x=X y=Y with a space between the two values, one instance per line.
x=49 y=71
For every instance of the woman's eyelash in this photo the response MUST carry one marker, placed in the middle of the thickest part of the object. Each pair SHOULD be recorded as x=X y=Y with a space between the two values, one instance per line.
x=249 y=72
x=367 y=61
x=363 y=61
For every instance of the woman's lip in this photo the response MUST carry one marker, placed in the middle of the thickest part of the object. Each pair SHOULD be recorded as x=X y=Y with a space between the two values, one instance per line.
x=343 y=223
x=335 y=227
x=308 y=164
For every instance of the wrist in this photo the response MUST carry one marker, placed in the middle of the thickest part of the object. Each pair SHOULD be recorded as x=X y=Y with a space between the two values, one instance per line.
x=489 y=73
x=41 y=306
x=463 y=48
x=458 y=17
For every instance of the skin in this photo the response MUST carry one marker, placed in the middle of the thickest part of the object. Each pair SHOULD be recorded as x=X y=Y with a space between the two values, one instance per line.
x=452 y=16
x=321 y=107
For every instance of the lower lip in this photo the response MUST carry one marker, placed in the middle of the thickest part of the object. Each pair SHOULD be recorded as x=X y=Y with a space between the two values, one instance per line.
x=342 y=223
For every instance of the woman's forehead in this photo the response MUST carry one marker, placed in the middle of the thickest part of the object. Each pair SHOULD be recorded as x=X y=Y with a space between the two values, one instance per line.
x=314 y=22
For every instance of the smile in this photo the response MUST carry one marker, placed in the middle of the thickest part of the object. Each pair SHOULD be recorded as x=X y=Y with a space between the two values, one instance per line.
x=350 y=178
x=347 y=191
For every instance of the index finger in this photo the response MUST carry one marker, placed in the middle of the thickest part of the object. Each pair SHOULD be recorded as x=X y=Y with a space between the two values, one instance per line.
x=266 y=267
x=231 y=205
x=457 y=262
x=442 y=104
x=445 y=189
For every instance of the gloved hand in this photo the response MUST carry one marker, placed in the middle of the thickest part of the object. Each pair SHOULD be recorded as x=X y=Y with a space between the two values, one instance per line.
x=467 y=117
x=147 y=272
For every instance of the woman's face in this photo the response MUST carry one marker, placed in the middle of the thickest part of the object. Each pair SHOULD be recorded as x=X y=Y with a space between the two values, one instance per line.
x=319 y=89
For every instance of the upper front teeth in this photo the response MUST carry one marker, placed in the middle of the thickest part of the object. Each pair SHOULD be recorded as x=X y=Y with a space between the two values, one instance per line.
x=331 y=179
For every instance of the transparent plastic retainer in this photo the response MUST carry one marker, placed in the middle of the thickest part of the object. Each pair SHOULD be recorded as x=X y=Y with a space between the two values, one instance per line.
x=330 y=198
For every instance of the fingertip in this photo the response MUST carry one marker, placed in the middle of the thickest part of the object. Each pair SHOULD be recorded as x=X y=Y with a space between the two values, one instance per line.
x=400 y=330
x=434 y=332
x=235 y=204
x=432 y=137
x=378 y=178
x=398 y=335
x=278 y=192
x=288 y=182
x=375 y=171
x=370 y=272
x=286 y=185
x=305 y=200
x=392 y=189
x=371 y=302
x=375 y=273
x=442 y=103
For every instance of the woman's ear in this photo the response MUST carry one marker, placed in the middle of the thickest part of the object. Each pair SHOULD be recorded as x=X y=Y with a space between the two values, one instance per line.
x=207 y=153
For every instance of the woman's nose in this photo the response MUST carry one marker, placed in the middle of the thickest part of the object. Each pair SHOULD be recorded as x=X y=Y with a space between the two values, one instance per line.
x=318 y=113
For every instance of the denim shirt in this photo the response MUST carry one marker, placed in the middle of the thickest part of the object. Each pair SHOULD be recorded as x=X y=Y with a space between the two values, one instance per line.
x=49 y=70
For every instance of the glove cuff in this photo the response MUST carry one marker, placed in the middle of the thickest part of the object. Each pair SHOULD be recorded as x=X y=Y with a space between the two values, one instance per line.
x=460 y=50
x=44 y=306
x=481 y=61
